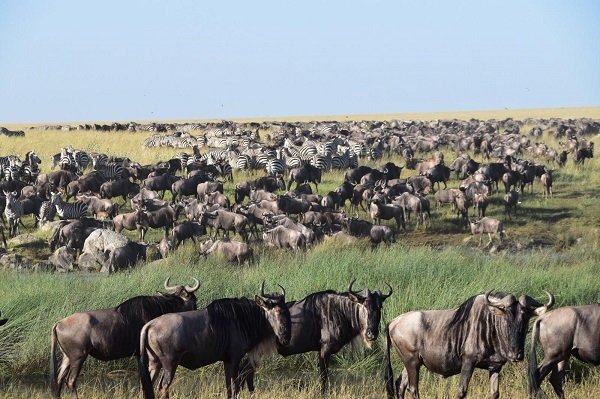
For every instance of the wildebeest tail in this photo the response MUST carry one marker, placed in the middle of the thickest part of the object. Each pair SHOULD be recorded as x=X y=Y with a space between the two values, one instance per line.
x=144 y=373
x=53 y=377
x=388 y=372
x=533 y=374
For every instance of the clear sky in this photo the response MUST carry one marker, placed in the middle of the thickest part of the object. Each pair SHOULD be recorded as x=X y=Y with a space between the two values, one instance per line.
x=139 y=60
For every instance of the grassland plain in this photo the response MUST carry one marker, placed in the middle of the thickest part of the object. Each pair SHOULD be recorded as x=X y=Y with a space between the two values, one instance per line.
x=553 y=245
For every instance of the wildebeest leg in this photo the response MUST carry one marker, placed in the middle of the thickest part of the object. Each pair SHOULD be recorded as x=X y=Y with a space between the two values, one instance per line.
x=232 y=380
x=495 y=384
x=401 y=384
x=412 y=369
x=557 y=378
x=247 y=375
x=323 y=373
x=166 y=380
x=74 y=370
x=63 y=371
x=466 y=373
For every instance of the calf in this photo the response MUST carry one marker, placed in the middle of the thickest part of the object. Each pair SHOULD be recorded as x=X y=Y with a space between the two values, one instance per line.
x=481 y=202
x=489 y=226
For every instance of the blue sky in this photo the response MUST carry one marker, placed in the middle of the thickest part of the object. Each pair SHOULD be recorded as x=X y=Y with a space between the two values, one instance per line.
x=140 y=60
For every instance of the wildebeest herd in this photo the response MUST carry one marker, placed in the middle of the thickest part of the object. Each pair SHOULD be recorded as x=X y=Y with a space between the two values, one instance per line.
x=281 y=210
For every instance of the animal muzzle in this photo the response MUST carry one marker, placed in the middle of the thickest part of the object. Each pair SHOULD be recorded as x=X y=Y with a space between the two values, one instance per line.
x=516 y=356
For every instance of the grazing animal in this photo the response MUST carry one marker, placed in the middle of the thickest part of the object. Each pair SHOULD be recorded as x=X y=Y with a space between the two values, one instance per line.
x=484 y=332
x=562 y=332
x=283 y=237
x=224 y=331
x=110 y=334
x=379 y=234
x=325 y=322
x=233 y=251
x=489 y=226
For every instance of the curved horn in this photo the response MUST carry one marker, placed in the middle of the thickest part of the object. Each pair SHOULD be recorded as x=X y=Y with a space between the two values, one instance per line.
x=390 y=292
x=262 y=289
x=543 y=309
x=194 y=288
x=487 y=301
x=351 y=284
x=166 y=284
x=282 y=290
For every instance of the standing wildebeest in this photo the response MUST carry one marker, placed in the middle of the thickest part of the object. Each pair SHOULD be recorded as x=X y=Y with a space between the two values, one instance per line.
x=115 y=188
x=226 y=221
x=163 y=217
x=325 y=322
x=283 y=237
x=489 y=226
x=571 y=330
x=224 y=331
x=511 y=200
x=484 y=332
x=110 y=334
x=380 y=234
x=305 y=173
x=546 y=180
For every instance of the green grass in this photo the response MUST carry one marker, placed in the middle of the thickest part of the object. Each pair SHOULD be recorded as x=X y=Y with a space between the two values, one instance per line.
x=553 y=244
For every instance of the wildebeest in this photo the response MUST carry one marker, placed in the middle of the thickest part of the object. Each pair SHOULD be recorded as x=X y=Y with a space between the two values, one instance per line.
x=110 y=334
x=123 y=188
x=484 y=332
x=381 y=234
x=325 y=322
x=380 y=211
x=305 y=173
x=511 y=200
x=161 y=218
x=161 y=183
x=233 y=251
x=224 y=331
x=226 y=221
x=546 y=180
x=282 y=237
x=489 y=226
x=187 y=230
x=562 y=332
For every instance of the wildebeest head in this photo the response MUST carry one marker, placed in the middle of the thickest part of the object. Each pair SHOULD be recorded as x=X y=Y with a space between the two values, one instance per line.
x=512 y=320
x=185 y=292
x=277 y=313
x=371 y=304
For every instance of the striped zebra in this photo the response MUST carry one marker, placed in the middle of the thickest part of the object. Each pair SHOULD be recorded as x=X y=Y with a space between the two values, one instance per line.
x=321 y=162
x=359 y=149
x=241 y=162
x=31 y=169
x=344 y=161
x=12 y=171
x=66 y=158
x=275 y=166
x=99 y=159
x=13 y=212
x=111 y=171
x=66 y=210
x=47 y=213
x=82 y=160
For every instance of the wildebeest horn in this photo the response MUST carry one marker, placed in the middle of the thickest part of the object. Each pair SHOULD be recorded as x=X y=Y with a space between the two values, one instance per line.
x=351 y=284
x=543 y=309
x=390 y=292
x=194 y=288
x=282 y=290
x=167 y=287
x=262 y=289
x=487 y=301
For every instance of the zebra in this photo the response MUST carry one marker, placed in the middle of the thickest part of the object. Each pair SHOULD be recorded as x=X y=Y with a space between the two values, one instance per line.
x=82 y=160
x=321 y=162
x=47 y=213
x=98 y=159
x=275 y=166
x=13 y=212
x=12 y=171
x=241 y=162
x=344 y=161
x=111 y=171
x=30 y=169
x=65 y=210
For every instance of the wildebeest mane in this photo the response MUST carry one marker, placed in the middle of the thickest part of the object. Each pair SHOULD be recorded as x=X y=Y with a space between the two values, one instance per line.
x=242 y=315
x=462 y=313
x=139 y=310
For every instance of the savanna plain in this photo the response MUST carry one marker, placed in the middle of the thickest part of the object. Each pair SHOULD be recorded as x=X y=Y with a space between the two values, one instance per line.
x=553 y=244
